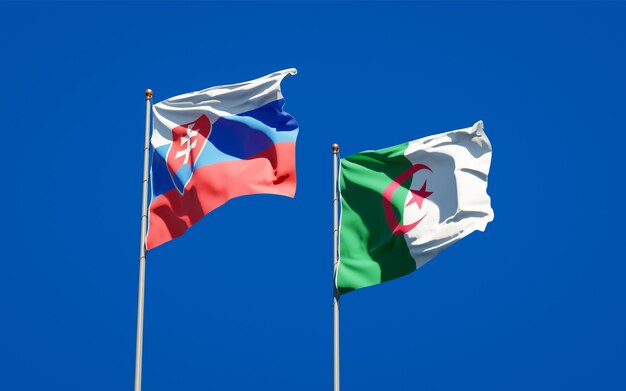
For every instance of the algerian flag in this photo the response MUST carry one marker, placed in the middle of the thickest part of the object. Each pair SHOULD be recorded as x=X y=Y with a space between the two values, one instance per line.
x=401 y=206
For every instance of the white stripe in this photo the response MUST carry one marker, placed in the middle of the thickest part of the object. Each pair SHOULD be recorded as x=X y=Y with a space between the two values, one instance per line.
x=459 y=203
x=215 y=102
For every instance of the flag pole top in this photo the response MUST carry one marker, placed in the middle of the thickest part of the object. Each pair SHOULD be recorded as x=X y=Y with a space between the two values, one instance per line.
x=148 y=94
x=335 y=148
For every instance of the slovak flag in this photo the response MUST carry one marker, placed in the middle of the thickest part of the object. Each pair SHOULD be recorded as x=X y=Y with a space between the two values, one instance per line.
x=217 y=144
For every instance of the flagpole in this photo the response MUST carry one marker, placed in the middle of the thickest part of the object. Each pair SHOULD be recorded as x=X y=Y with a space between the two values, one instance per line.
x=335 y=262
x=142 y=246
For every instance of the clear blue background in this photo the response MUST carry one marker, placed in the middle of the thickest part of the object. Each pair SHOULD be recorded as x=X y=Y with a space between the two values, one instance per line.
x=243 y=301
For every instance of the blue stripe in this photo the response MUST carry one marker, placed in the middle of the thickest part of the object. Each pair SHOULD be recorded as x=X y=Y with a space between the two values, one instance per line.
x=160 y=176
x=249 y=133
x=273 y=115
x=211 y=155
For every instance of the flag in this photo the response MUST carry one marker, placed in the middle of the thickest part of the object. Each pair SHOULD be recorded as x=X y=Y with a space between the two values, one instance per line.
x=403 y=205
x=216 y=144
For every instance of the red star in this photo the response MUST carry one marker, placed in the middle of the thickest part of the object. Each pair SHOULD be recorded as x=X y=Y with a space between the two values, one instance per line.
x=419 y=196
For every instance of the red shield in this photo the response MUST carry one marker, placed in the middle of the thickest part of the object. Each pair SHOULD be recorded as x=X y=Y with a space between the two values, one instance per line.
x=187 y=142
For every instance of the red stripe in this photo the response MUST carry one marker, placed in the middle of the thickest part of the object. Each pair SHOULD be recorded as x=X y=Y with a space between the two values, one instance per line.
x=273 y=171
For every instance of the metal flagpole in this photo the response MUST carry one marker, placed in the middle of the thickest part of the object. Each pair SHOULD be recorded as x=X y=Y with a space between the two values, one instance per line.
x=142 y=246
x=335 y=261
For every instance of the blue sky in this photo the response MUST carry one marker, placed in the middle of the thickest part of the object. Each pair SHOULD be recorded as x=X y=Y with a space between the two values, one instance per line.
x=244 y=299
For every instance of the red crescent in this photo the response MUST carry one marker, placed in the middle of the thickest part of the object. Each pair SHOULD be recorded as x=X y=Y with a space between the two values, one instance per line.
x=395 y=226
